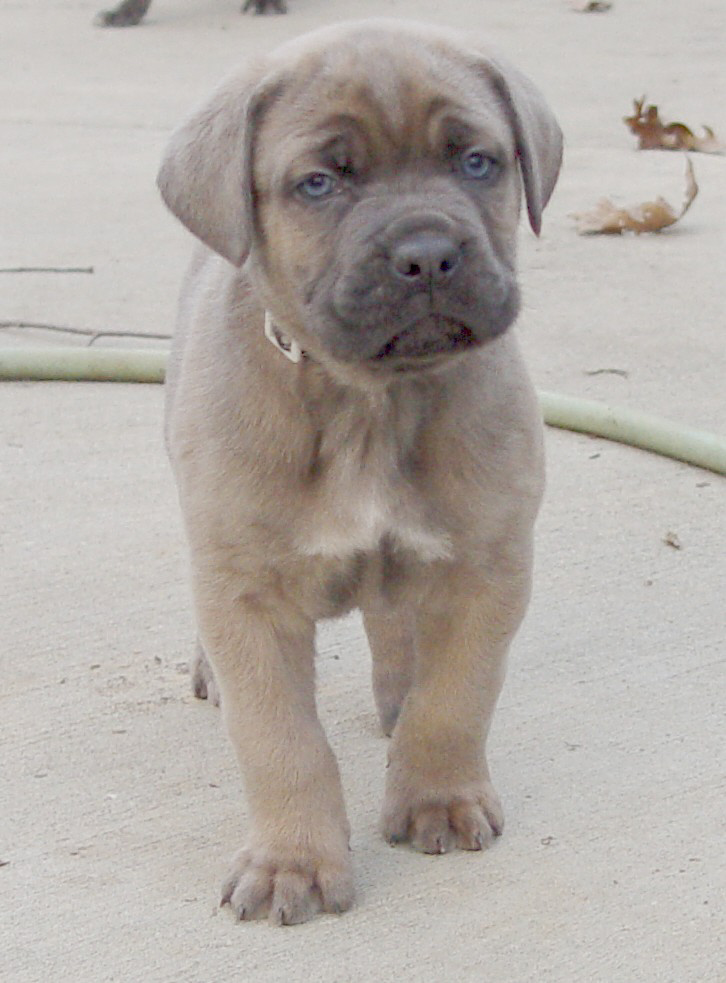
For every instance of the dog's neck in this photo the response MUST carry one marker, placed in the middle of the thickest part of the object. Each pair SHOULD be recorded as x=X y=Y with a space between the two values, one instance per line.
x=282 y=342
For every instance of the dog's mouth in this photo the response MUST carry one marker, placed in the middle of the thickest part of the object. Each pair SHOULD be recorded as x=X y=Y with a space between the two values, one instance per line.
x=426 y=343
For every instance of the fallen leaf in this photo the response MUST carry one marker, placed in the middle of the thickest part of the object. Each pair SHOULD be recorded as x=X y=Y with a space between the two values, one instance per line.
x=591 y=6
x=654 y=134
x=651 y=216
x=671 y=539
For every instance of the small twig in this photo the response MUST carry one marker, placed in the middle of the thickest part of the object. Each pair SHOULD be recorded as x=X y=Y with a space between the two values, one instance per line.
x=45 y=327
x=47 y=269
x=95 y=335
x=86 y=332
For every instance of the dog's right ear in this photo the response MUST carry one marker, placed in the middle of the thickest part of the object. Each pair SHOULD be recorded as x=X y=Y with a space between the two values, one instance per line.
x=206 y=174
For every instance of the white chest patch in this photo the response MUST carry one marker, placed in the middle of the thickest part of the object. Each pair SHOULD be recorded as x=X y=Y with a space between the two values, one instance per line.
x=358 y=524
x=363 y=492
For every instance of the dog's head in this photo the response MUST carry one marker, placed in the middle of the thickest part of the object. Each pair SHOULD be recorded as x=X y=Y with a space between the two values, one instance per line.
x=371 y=174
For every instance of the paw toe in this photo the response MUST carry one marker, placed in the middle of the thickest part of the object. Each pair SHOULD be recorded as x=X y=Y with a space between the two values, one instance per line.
x=248 y=894
x=431 y=830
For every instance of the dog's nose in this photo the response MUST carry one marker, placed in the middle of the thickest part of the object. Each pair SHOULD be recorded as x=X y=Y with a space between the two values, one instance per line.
x=425 y=258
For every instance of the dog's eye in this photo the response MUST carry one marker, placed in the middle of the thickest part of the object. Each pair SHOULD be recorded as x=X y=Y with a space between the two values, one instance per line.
x=476 y=164
x=317 y=185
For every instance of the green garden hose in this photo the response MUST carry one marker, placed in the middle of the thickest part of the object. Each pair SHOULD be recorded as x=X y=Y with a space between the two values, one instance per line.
x=83 y=364
x=651 y=433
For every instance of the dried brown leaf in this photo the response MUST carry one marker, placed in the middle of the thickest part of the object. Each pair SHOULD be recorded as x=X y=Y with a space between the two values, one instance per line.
x=654 y=134
x=651 y=216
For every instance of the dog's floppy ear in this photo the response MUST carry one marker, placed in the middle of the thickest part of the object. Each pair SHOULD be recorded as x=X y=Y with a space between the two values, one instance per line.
x=537 y=134
x=206 y=173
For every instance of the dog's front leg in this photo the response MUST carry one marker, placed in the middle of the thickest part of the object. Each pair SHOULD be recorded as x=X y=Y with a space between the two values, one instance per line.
x=439 y=793
x=296 y=859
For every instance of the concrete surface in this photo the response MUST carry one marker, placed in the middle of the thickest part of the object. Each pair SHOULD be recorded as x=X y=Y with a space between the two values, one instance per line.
x=119 y=801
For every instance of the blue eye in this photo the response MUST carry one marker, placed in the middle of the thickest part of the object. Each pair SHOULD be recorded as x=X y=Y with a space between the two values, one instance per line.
x=477 y=165
x=317 y=185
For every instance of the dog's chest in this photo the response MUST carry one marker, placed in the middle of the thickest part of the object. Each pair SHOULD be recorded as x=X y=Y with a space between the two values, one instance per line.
x=357 y=516
x=368 y=487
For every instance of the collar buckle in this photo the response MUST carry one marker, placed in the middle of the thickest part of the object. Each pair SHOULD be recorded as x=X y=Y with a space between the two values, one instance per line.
x=288 y=346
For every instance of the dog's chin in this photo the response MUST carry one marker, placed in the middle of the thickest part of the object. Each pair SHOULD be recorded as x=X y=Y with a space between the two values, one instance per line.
x=426 y=345
x=431 y=336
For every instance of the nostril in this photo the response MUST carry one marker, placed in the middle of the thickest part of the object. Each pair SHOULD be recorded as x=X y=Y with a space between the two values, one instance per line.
x=425 y=257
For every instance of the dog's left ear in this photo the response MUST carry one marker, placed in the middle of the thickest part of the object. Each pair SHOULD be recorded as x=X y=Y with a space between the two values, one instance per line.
x=537 y=134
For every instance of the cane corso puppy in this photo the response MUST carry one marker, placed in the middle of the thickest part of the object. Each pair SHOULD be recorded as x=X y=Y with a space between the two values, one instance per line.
x=351 y=425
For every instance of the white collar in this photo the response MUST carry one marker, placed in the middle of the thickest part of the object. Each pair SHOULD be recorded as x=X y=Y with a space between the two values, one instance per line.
x=288 y=346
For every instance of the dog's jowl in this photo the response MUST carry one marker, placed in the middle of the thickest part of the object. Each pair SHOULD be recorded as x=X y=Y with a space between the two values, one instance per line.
x=350 y=425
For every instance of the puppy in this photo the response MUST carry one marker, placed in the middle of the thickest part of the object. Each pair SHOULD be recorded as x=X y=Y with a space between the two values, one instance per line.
x=130 y=12
x=351 y=425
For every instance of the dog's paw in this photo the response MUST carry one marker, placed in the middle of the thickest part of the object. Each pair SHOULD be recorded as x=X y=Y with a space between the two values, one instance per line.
x=287 y=892
x=438 y=824
x=204 y=685
x=126 y=14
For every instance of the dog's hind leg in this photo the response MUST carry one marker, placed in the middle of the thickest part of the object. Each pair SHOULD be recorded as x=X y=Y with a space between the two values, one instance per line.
x=391 y=640
x=204 y=685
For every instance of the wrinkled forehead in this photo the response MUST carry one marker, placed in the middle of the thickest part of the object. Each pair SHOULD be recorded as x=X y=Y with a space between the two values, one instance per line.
x=397 y=103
